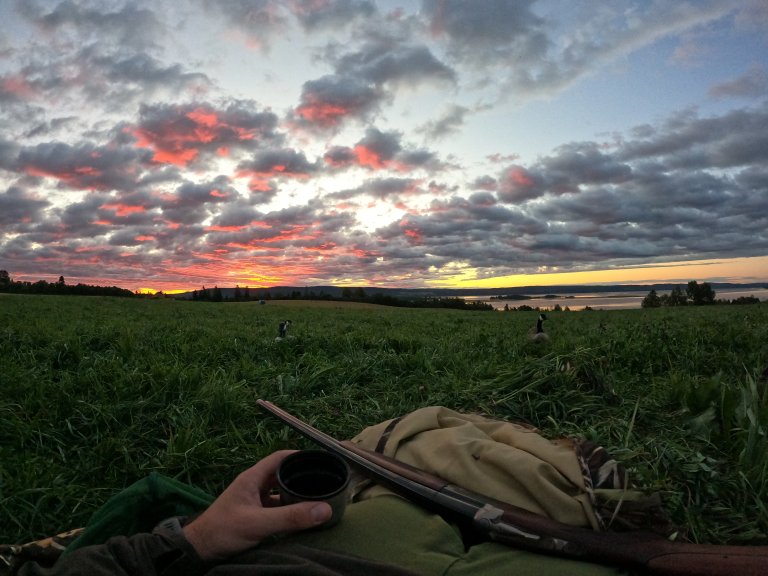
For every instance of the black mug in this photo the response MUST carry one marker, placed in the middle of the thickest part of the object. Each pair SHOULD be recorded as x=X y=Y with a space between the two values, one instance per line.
x=315 y=475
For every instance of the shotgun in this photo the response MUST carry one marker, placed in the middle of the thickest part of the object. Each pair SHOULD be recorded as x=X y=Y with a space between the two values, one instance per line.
x=645 y=552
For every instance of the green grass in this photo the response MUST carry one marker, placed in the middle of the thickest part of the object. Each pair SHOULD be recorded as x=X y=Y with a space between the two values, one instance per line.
x=97 y=392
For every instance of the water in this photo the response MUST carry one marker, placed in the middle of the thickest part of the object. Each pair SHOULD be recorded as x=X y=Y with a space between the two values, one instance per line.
x=608 y=300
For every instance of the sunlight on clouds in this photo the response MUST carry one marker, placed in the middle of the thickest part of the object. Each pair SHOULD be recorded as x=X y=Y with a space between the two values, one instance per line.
x=314 y=142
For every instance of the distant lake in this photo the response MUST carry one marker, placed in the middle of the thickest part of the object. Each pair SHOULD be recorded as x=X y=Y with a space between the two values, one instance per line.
x=608 y=300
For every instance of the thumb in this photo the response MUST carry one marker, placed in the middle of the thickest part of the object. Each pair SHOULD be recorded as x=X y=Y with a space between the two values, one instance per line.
x=301 y=516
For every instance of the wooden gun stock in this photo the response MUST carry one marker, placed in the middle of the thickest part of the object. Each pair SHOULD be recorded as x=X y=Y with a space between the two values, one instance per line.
x=517 y=527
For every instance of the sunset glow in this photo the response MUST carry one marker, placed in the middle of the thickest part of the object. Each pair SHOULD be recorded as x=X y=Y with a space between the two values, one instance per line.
x=170 y=146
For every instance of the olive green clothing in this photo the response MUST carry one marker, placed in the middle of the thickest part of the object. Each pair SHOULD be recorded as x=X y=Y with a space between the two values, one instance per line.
x=389 y=529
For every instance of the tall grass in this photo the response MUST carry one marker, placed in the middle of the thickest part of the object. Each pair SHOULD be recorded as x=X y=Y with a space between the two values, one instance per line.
x=98 y=392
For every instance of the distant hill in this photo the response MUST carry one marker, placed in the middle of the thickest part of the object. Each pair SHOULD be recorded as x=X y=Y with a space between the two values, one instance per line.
x=319 y=292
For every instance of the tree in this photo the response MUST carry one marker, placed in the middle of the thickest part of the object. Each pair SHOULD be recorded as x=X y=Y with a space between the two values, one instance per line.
x=652 y=300
x=61 y=281
x=746 y=300
x=5 y=280
x=700 y=294
x=675 y=298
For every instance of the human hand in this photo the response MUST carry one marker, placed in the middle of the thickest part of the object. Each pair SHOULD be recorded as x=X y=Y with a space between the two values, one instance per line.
x=246 y=513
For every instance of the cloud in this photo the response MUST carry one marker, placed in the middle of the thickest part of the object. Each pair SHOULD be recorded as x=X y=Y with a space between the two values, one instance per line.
x=381 y=188
x=331 y=100
x=8 y=153
x=587 y=205
x=50 y=127
x=528 y=51
x=193 y=203
x=129 y=26
x=518 y=184
x=367 y=76
x=83 y=166
x=752 y=15
x=133 y=149
x=330 y=14
x=448 y=123
x=752 y=84
x=648 y=198
x=129 y=78
x=107 y=70
x=340 y=157
x=183 y=134
x=493 y=29
x=16 y=88
x=389 y=61
x=485 y=182
x=18 y=208
x=275 y=164
x=258 y=20
x=379 y=150
x=734 y=139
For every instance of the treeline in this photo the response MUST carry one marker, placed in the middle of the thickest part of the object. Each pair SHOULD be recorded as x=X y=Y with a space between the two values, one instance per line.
x=7 y=284
x=694 y=294
x=263 y=295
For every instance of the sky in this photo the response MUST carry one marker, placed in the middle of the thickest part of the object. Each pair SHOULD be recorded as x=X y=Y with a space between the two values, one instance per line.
x=169 y=145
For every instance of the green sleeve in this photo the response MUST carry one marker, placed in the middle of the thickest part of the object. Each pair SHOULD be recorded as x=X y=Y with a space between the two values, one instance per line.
x=139 y=555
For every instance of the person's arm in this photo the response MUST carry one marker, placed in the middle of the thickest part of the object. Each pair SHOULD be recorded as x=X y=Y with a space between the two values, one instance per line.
x=246 y=513
x=146 y=554
x=242 y=516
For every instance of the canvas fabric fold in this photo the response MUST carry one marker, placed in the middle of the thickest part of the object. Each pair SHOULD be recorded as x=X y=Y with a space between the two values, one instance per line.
x=503 y=460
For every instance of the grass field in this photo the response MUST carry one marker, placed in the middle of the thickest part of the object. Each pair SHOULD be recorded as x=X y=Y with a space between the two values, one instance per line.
x=98 y=392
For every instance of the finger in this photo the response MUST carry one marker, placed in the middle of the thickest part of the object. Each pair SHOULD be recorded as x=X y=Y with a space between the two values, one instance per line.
x=271 y=500
x=267 y=466
x=295 y=517
x=261 y=475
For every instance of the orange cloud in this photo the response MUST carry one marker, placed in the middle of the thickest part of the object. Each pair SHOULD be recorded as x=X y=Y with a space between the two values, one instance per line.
x=83 y=177
x=17 y=86
x=203 y=117
x=323 y=113
x=259 y=180
x=414 y=235
x=178 y=137
x=369 y=158
x=321 y=247
x=123 y=209
x=225 y=228
x=519 y=177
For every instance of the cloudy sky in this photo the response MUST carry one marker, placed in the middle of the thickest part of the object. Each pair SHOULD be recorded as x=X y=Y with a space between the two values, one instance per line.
x=175 y=144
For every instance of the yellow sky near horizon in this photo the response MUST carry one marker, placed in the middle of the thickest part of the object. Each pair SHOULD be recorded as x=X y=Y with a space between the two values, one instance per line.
x=735 y=270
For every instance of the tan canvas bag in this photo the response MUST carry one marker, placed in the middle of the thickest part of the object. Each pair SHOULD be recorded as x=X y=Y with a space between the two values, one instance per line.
x=566 y=480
